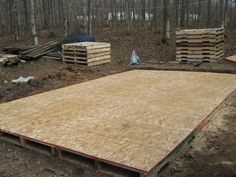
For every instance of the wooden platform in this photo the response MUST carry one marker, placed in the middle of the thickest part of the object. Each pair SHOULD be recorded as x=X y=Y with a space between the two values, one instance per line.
x=231 y=59
x=135 y=122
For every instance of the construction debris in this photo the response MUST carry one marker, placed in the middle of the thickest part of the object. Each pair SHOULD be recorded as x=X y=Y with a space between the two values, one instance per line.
x=87 y=53
x=39 y=51
x=15 y=50
x=6 y=59
x=30 y=53
x=23 y=79
x=199 y=45
x=57 y=55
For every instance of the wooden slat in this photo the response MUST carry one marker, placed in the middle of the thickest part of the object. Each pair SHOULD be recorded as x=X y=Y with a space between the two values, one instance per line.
x=199 y=56
x=199 y=40
x=87 y=60
x=92 y=51
x=200 y=31
x=86 y=56
x=92 y=63
x=215 y=48
x=187 y=52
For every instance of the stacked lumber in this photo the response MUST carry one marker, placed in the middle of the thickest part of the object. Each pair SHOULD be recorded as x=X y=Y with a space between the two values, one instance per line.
x=39 y=51
x=200 y=45
x=15 y=50
x=87 y=53
x=6 y=59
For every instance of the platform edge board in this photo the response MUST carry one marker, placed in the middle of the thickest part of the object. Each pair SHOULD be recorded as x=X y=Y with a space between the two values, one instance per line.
x=230 y=60
x=58 y=151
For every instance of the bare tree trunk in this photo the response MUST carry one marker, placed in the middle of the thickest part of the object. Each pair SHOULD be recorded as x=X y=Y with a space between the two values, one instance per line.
x=182 y=17
x=226 y=13
x=143 y=3
x=186 y=12
x=222 y=12
x=26 y=15
x=129 y=15
x=16 y=21
x=65 y=18
x=89 y=12
x=178 y=14
x=155 y=16
x=167 y=30
x=33 y=23
x=209 y=13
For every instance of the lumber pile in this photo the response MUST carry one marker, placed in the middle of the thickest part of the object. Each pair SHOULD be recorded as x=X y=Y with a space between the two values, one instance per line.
x=200 y=45
x=39 y=51
x=15 y=50
x=87 y=53
x=6 y=59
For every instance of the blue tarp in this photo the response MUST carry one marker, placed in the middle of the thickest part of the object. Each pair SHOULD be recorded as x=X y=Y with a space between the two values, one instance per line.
x=135 y=59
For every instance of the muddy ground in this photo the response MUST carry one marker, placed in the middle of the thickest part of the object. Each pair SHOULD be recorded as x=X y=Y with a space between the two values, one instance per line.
x=213 y=153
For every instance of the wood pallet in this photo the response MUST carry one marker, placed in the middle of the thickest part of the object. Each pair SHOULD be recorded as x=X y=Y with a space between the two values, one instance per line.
x=200 y=56
x=205 y=48
x=200 y=44
x=84 y=63
x=201 y=52
x=87 y=53
x=196 y=41
x=200 y=36
x=209 y=31
x=192 y=60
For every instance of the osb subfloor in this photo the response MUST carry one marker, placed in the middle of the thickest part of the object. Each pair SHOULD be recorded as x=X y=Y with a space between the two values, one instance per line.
x=134 y=118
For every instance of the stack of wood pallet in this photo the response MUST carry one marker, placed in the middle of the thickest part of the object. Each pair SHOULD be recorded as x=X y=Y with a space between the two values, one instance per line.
x=200 y=45
x=87 y=53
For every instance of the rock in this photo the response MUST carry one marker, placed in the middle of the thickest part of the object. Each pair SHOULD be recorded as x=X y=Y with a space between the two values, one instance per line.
x=23 y=61
x=23 y=79
x=227 y=163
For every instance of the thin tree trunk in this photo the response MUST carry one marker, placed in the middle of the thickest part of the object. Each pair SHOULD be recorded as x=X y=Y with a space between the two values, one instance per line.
x=209 y=13
x=129 y=15
x=178 y=14
x=167 y=29
x=182 y=18
x=226 y=13
x=16 y=21
x=89 y=12
x=143 y=3
x=222 y=12
x=26 y=15
x=65 y=18
x=33 y=23
x=155 y=16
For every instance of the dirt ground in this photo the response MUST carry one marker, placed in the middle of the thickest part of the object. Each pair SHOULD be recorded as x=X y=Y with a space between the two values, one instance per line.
x=211 y=154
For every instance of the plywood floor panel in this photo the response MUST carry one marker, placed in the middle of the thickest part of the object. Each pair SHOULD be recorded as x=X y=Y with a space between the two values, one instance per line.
x=133 y=118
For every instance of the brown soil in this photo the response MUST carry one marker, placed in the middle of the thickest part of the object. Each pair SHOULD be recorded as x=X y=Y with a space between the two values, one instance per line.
x=211 y=154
